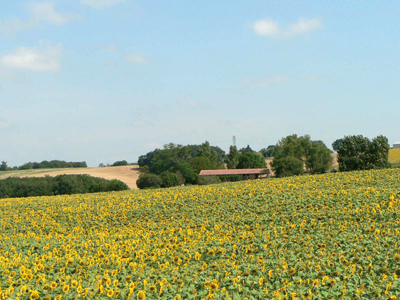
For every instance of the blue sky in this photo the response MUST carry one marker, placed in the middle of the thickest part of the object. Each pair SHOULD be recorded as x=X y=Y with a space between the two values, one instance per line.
x=106 y=80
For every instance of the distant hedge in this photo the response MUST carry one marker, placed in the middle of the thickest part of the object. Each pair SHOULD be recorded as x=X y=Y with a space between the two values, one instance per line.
x=62 y=184
x=52 y=164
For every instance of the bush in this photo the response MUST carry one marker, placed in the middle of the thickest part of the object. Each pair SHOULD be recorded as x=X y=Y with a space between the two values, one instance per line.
x=148 y=180
x=230 y=178
x=169 y=179
x=120 y=163
x=62 y=184
x=204 y=180
x=287 y=166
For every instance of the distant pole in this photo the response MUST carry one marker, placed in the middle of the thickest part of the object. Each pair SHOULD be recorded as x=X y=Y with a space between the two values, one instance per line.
x=234 y=140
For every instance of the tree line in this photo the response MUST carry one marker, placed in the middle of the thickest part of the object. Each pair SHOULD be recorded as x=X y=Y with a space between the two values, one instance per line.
x=44 y=165
x=292 y=155
x=59 y=185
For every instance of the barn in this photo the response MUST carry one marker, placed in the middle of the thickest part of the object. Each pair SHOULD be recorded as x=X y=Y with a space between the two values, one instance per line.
x=396 y=145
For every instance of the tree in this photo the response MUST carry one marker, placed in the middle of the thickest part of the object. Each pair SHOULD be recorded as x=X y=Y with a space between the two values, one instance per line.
x=205 y=150
x=359 y=153
x=246 y=150
x=336 y=144
x=250 y=160
x=232 y=158
x=287 y=166
x=169 y=179
x=120 y=163
x=3 y=166
x=291 y=150
x=269 y=151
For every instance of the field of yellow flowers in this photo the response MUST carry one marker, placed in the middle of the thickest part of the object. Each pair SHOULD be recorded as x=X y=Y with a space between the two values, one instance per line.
x=333 y=236
x=394 y=155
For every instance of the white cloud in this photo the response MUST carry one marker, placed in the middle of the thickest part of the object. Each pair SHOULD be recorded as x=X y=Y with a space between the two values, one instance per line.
x=270 y=28
x=266 y=27
x=101 y=3
x=44 y=58
x=41 y=13
x=138 y=58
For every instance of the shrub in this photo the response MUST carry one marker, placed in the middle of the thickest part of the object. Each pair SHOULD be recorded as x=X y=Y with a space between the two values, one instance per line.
x=204 y=180
x=169 y=179
x=120 y=163
x=148 y=180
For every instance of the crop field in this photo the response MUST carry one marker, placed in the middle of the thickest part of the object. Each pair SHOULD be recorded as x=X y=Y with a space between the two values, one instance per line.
x=333 y=236
x=394 y=155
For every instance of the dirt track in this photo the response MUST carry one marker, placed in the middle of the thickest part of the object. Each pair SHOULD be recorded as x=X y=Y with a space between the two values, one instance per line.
x=127 y=174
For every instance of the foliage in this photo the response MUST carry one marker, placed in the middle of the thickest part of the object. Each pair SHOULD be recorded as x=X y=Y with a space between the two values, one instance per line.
x=169 y=179
x=359 y=153
x=232 y=159
x=332 y=236
x=300 y=151
x=52 y=164
x=58 y=185
x=269 y=151
x=3 y=166
x=148 y=180
x=120 y=163
x=250 y=160
x=246 y=150
x=230 y=178
x=204 y=180
x=185 y=161
x=336 y=144
x=394 y=155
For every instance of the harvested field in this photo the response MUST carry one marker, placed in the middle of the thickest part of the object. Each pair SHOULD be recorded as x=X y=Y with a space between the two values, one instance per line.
x=127 y=174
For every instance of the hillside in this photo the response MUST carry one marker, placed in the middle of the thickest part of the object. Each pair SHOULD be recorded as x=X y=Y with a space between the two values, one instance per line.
x=328 y=236
x=127 y=174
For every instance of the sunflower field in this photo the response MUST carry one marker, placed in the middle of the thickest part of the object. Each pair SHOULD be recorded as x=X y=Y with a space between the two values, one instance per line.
x=332 y=236
x=394 y=155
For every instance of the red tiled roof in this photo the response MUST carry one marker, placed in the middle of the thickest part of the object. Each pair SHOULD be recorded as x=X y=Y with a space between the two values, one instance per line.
x=234 y=172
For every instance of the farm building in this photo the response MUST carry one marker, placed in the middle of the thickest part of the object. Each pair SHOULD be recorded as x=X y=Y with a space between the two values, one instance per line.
x=396 y=145
x=246 y=173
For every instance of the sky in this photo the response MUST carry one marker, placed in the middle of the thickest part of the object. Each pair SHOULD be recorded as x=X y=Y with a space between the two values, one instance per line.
x=107 y=80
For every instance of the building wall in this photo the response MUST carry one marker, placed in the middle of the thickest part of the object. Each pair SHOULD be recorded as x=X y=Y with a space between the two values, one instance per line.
x=396 y=146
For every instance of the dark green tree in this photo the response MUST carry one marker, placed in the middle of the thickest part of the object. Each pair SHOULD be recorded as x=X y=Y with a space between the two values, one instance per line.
x=147 y=180
x=359 y=153
x=232 y=159
x=336 y=144
x=251 y=160
x=169 y=179
x=246 y=150
x=3 y=166
x=269 y=151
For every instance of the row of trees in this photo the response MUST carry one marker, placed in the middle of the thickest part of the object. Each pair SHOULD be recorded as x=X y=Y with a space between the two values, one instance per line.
x=60 y=185
x=292 y=155
x=44 y=165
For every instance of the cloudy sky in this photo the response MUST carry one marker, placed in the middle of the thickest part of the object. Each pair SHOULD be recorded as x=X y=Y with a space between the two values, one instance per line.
x=106 y=80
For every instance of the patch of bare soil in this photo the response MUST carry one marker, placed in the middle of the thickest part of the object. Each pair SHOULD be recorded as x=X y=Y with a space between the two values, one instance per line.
x=127 y=174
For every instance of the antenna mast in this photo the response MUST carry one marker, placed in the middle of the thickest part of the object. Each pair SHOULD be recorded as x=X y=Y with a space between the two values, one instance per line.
x=234 y=140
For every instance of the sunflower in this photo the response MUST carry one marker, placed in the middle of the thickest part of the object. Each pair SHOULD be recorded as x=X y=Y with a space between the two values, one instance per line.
x=34 y=295
x=53 y=285
x=74 y=283
x=79 y=290
x=315 y=283
x=65 y=288
x=214 y=286
x=261 y=281
x=115 y=283
x=110 y=293
x=141 y=295
x=132 y=285
x=152 y=288
x=292 y=271
x=58 y=297
x=46 y=298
